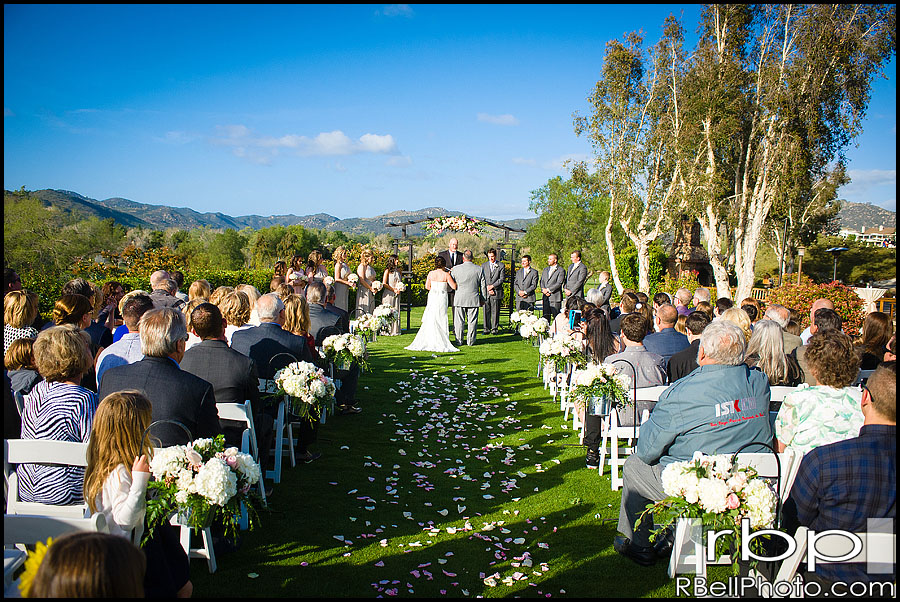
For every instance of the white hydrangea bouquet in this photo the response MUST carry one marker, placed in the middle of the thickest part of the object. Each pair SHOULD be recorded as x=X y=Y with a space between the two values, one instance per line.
x=520 y=315
x=328 y=281
x=400 y=287
x=366 y=325
x=599 y=381
x=307 y=387
x=377 y=286
x=345 y=349
x=353 y=279
x=719 y=492
x=202 y=481
x=562 y=350
x=386 y=314
x=532 y=327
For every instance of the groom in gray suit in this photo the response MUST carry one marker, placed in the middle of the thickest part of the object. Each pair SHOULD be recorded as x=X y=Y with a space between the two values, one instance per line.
x=470 y=293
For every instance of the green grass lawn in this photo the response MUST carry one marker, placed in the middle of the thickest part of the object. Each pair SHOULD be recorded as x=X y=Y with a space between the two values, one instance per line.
x=459 y=468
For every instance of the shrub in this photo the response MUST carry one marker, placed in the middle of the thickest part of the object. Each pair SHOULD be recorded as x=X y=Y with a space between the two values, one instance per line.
x=847 y=303
x=627 y=264
x=689 y=280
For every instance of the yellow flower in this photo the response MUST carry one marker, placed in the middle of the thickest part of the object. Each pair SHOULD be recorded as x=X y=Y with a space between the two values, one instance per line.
x=32 y=563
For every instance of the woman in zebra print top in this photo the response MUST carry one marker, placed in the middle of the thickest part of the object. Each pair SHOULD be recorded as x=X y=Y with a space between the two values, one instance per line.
x=59 y=409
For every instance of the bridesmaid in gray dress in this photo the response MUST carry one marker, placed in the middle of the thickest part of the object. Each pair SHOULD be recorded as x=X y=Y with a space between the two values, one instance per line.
x=365 y=294
x=391 y=296
x=341 y=284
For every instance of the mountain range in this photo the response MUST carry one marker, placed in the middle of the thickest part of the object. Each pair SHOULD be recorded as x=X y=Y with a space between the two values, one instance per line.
x=160 y=217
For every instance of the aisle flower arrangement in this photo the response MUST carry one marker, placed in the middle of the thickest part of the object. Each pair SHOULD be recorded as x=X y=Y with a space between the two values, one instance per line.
x=718 y=492
x=367 y=325
x=597 y=381
x=533 y=327
x=344 y=349
x=561 y=351
x=387 y=314
x=521 y=315
x=204 y=482
x=453 y=223
x=307 y=387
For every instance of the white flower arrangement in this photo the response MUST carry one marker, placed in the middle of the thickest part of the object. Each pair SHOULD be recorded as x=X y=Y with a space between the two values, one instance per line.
x=345 y=349
x=328 y=281
x=520 y=315
x=377 y=286
x=366 y=325
x=562 y=350
x=454 y=223
x=353 y=279
x=387 y=313
x=599 y=380
x=532 y=326
x=719 y=493
x=400 y=287
x=203 y=480
x=307 y=387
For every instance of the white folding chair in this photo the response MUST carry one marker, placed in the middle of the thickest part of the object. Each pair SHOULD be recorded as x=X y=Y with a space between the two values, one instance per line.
x=205 y=551
x=41 y=451
x=834 y=548
x=243 y=412
x=283 y=444
x=25 y=530
x=689 y=550
x=612 y=433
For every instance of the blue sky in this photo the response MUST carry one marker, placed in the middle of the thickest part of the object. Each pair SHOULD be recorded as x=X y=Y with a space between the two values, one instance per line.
x=354 y=111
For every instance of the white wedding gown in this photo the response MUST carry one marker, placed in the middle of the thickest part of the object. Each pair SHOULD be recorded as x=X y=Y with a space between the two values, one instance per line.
x=433 y=334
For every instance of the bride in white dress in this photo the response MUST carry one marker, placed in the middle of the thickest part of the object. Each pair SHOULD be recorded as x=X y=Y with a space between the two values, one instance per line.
x=433 y=334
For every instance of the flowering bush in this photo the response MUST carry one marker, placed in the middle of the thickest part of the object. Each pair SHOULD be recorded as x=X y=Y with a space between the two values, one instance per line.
x=345 y=349
x=599 y=380
x=719 y=493
x=204 y=481
x=454 y=223
x=561 y=351
x=306 y=386
x=848 y=305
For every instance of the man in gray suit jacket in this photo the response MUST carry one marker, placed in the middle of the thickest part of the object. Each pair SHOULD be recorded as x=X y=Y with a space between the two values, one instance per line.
x=525 y=284
x=552 y=280
x=576 y=276
x=470 y=293
x=493 y=273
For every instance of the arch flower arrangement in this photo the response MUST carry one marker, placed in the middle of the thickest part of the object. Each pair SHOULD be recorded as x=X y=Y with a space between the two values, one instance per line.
x=453 y=223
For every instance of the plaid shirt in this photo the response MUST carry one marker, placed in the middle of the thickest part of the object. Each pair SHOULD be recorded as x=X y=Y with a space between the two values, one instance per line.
x=840 y=486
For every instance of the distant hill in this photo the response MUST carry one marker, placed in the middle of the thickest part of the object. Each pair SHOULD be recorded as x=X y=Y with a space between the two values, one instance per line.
x=159 y=217
x=858 y=216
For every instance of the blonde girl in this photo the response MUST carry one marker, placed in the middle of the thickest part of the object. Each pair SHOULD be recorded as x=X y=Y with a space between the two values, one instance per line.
x=342 y=286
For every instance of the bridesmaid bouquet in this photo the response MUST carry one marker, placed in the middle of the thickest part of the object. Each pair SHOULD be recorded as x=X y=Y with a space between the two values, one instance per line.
x=376 y=286
x=328 y=280
x=400 y=287
x=353 y=279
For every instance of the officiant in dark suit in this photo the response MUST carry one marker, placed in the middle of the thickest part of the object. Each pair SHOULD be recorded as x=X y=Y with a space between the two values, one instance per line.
x=494 y=276
x=452 y=258
x=552 y=280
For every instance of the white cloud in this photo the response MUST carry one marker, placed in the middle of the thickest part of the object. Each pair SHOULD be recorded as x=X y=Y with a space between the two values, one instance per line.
x=396 y=10
x=325 y=144
x=521 y=161
x=865 y=178
x=176 y=137
x=498 y=119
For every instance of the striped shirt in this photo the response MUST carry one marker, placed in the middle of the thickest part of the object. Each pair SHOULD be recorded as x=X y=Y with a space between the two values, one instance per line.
x=59 y=412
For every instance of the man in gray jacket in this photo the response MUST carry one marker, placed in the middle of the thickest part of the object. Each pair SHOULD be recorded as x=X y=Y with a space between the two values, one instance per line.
x=716 y=409
x=552 y=279
x=470 y=293
x=492 y=270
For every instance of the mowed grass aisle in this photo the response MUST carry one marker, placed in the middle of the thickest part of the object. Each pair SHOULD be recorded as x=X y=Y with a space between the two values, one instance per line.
x=459 y=471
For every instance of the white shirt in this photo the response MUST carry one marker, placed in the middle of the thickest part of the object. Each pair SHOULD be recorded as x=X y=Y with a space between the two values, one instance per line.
x=552 y=269
x=123 y=502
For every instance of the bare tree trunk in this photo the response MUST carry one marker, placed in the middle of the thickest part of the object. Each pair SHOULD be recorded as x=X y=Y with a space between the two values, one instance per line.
x=611 y=251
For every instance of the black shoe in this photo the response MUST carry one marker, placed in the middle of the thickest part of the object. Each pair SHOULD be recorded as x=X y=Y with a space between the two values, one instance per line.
x=307 y=457
x=644 y=556
x=348 y=410
x=663 y=546
x=592 y=459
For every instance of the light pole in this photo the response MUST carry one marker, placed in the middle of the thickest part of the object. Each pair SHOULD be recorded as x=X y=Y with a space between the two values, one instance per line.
x=801 y=251
x=835 y=251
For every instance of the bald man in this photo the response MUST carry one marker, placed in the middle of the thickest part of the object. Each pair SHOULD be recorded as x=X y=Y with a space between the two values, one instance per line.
x=666 y=341
x=817 y=304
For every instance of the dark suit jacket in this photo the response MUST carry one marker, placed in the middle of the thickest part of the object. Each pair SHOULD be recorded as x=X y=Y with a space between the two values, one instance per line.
x=446 y=255
x=175 y=394
x=232 y=374
x=323 y=323
x=262 y=343
x=683 y=363
x=667 y=342
x=344 y=317
x=576 y=276
x=605 y=294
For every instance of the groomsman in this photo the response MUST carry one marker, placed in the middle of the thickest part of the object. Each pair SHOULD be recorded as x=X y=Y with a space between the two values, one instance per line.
x=493 y=278
x=552 y=280
x=525 y=285
x=576 y=276
x=605 y=292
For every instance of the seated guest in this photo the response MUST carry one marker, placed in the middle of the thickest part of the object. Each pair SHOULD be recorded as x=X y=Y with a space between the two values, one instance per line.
x=682 y=300
x=161 y=286
x=233 y=376
x=560 y=324
x=175 y=394
x=828 y=411
x=793 y=327
x=685 y=361
x=296 y=318
x=824 y=319
x=252 y=296
x=649 y=367
x=126 y=350
x=818 y=304
x=219 y=293
x=872 y=344
x=109 y=315
x=627 y=305
x=701 y=295
x=706 y=308
x=11 y=281
x=122 y=330
x=891 y=355
x=666 y=341
x=322 y=324
x=688 y=418
x=600 y=343
x=754 y=314
x=235 y=308
x=199 y=288
x=739 y=318
x=330 y=298
x=643 y=308
x=187 y=309
x=782 y=316
x=20 y=308
x=101 y=335
x=77 y=310
x=841 y=485
x=660 y=299
x=680 y=325
x=765 y=352
x=60 y=409
x=722 y=304
x=178 y=277
x=19 y=361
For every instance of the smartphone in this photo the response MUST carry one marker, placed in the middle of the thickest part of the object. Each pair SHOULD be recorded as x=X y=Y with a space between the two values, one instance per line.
x=574 y=319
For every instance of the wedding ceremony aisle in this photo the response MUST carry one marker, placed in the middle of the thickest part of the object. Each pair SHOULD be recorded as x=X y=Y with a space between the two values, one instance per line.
x=459 y=479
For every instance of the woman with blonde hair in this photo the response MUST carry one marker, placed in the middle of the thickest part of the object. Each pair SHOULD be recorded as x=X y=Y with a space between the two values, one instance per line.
x=59 y=408
x=119 y=493
x=253 y=296
x=235 y=308
x=391 y=296
x=296 y=276
x=20 y=308
x=199 y=289
x=342 y=286
x=765 y=352
x=314 y=267
x=738 y=316
x=365 y=294
x=220 y=292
